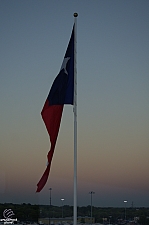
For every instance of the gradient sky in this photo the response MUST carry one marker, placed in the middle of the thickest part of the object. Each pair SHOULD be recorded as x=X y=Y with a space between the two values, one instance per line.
x=113 y=101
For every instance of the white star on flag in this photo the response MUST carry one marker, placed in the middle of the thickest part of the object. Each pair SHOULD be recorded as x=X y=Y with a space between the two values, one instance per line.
x=64 y=64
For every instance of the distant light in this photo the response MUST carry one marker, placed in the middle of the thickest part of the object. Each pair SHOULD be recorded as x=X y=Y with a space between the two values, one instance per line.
x=125 y=201
x=62 y=199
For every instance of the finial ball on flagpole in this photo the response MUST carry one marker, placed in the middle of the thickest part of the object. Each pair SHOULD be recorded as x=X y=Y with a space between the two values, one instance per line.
x=75 y=14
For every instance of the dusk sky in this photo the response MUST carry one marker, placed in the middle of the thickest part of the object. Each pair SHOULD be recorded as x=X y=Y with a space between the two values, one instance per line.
x=113 y=101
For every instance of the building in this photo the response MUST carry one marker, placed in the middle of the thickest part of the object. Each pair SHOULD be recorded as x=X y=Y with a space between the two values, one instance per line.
x=66 y=220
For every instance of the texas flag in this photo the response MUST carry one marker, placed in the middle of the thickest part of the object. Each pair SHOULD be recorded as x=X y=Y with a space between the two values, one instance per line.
x=62 y=92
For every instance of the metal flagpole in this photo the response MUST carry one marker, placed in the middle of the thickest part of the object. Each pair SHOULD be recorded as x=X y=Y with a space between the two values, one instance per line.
x=75 y=123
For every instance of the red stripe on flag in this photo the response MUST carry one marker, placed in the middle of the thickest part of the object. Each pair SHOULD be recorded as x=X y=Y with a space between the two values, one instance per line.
x=51 y=115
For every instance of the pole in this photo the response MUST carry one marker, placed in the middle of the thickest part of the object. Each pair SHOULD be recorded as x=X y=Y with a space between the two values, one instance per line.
x=92 y=192
x=62 y=199
x=125 y=201
x=50 y=206
x=75 y=123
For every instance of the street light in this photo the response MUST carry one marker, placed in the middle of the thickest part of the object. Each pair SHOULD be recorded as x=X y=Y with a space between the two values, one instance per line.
x=91 y=193
x=50 y=189
x=62 y=199
x=125 y=201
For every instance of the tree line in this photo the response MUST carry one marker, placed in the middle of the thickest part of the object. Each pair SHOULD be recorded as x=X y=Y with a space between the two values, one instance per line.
x=31 y=213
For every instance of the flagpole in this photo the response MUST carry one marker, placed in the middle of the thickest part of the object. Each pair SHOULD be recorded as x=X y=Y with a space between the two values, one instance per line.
x=75 y=122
